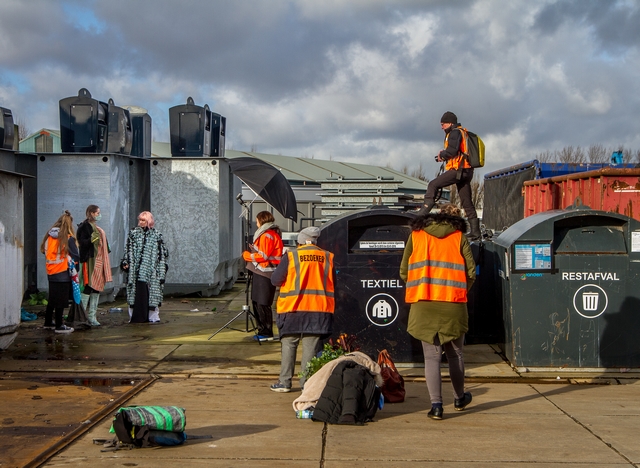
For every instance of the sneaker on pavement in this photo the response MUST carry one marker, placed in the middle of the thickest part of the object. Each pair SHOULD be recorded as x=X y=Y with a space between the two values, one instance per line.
x=49 y=327
x=280 y=387
x=435 y=413
x=64 y=329
x=262 y=338
x=462 y=403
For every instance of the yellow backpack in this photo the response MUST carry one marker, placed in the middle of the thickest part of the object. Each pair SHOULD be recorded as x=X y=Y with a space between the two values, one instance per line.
x=475 y=148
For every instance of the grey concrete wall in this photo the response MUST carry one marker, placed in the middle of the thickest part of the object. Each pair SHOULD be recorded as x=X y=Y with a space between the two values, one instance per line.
x=11 y=255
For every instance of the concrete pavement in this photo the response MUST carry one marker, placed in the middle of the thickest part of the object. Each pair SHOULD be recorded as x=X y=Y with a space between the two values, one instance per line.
x=59 y=392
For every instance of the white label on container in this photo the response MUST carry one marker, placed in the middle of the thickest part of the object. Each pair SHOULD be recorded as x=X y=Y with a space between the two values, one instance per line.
x=382 y=245
x=635 y=241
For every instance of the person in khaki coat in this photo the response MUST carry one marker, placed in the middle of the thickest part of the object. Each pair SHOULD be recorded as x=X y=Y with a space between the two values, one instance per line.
x=439 y=269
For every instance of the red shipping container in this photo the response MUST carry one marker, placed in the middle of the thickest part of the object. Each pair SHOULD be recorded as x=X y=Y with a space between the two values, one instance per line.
x=607 y=189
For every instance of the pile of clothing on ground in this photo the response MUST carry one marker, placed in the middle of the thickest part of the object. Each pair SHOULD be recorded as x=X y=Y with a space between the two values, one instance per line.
x=344 y=391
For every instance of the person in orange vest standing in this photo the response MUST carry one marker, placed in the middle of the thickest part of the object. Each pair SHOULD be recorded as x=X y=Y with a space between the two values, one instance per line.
x=262 y=259
x=458 y=171
x=438 y=269
x=57 y=246
x=305 y=304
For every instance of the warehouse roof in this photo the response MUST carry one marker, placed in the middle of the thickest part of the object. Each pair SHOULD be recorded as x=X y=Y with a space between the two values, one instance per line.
x=307 y=171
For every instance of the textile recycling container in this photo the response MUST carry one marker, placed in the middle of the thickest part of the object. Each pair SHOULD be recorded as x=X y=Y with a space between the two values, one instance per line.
x=570 y=290
x=193 y=200
x=117 y=183
x=368 y=246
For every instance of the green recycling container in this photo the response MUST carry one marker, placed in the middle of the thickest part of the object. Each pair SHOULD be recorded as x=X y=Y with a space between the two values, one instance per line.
x=570 y=283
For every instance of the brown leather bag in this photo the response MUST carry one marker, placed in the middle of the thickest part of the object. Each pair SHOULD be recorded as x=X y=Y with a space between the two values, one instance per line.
x=393 y=387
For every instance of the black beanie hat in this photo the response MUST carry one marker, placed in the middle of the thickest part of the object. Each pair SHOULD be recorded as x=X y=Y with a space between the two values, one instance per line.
x=449 y=117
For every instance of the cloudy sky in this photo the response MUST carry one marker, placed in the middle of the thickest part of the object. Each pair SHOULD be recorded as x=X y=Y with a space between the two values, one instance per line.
x=353 y=80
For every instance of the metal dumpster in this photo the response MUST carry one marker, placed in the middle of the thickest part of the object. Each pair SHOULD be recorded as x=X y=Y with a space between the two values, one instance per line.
x=607 y=189
x=368 y=247
x=570 y=289
x=503 y=192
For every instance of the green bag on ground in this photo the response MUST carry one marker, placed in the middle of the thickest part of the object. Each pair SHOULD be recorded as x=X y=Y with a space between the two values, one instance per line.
x=146 y=426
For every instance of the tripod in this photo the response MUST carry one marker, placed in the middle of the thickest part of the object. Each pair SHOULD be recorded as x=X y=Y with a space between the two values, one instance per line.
x=246 y=308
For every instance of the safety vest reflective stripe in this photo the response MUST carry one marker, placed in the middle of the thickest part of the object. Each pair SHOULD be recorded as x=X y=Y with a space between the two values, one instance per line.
x=267 y=242
x=317 y=294
x=53 y=261
x=442 y=276
x=454 y=163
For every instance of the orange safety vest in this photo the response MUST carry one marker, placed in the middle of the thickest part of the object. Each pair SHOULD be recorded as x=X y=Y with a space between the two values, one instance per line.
x=454 y=163
x=309 y=284
x=55 y=263
x=268 y=252
x=437 y=270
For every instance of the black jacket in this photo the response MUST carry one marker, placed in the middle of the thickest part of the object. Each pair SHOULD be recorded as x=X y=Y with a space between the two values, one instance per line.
x=84 y=240
x=350 y=396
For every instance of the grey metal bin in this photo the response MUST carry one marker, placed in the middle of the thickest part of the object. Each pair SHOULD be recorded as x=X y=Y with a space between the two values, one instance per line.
x=570 y=289
x=368 y=247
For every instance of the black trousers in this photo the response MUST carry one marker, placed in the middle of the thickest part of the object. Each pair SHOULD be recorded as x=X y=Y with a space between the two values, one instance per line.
x=463 y=185
x=264 y=319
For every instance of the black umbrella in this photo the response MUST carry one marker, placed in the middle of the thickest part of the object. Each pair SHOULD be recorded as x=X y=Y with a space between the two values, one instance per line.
x=267 y=182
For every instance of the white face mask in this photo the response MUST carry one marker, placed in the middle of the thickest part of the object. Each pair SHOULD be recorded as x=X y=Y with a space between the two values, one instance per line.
x=98 y=217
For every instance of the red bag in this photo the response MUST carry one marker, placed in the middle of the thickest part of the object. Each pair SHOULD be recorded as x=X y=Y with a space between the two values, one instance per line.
x=393 y=387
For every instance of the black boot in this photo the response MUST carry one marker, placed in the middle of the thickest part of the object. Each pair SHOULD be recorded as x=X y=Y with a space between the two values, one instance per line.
x=474 y=229
x=428 y=205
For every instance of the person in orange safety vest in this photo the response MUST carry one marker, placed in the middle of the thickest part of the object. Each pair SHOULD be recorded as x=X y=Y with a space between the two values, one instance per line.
x=457 y=171
x=262 y=258
x=305 y=304
x=58 y=245
x=439 y=269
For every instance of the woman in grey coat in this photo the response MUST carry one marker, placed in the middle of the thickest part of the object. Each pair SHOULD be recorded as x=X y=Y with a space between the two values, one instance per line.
x=146 y=262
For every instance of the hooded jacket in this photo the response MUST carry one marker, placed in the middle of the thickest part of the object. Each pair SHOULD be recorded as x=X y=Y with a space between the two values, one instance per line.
x=427 y=318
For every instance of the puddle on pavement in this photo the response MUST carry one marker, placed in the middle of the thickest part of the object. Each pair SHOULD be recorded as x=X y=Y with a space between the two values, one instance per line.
x=91 y=381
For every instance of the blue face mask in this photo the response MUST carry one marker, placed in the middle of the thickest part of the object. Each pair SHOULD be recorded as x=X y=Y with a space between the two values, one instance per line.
x=98 y=218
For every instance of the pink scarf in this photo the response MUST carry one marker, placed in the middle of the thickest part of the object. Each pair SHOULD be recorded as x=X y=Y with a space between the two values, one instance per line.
x=102 y=268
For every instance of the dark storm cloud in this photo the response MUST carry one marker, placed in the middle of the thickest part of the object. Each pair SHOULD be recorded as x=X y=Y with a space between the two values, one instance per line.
x=615 y=23
x=359 y=80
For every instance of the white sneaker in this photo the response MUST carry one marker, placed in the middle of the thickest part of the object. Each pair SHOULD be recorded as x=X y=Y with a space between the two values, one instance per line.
x=64 y=329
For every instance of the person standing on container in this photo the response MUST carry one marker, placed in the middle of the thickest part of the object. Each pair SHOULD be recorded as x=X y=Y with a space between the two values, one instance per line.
x=262 y=259
x=57 y=246
x=458 y=171
x=94 y=256
x=439 y=269
x=305 y=304
x=146 y=262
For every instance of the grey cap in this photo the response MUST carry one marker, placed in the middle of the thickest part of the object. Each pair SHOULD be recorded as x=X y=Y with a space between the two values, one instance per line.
x=309 y=235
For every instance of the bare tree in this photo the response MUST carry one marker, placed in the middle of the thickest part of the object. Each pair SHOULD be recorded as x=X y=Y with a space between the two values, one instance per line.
x=572 y=155
x=419 y=173
x=546 y=157
x=477 y=191
x=23 y=128
x=598 y=154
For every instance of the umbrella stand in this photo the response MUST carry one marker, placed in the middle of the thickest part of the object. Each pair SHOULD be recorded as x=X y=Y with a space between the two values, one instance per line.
x=246 y=308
